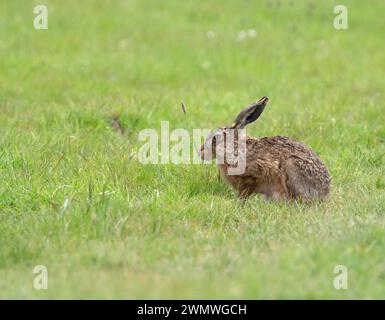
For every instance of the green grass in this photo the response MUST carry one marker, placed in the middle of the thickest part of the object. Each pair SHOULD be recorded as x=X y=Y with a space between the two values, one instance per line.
x=174 y=231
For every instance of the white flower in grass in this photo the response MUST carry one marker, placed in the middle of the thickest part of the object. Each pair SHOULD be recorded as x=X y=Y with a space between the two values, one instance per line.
x=251 y=33
x=123 y=43
x=241 y=35
x=210 y=35
x=206 y=64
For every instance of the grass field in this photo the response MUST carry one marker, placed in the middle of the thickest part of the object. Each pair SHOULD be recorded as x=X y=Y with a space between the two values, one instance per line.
x=75 y=198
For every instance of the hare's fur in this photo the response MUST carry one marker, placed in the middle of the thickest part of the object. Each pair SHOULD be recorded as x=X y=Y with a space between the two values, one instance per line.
x=278 y=167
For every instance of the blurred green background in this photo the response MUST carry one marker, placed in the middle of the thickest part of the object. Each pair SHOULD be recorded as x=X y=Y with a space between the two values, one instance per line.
x=74 y=197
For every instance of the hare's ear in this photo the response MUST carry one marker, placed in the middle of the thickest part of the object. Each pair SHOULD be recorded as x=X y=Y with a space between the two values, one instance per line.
x=250 y=114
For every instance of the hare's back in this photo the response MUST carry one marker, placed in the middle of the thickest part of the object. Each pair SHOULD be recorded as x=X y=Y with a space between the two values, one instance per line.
x=280 y=147
x=296 y=159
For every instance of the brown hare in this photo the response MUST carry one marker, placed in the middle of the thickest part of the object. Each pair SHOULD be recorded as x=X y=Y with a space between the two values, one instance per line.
x=278 y=167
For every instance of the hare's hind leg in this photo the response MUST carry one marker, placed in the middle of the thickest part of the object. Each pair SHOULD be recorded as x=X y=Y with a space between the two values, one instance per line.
x=275 y=190
x=278 y=192
x=299 y=185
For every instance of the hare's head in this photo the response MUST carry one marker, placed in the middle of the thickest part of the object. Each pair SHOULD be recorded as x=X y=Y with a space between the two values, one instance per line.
x=216 y=140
